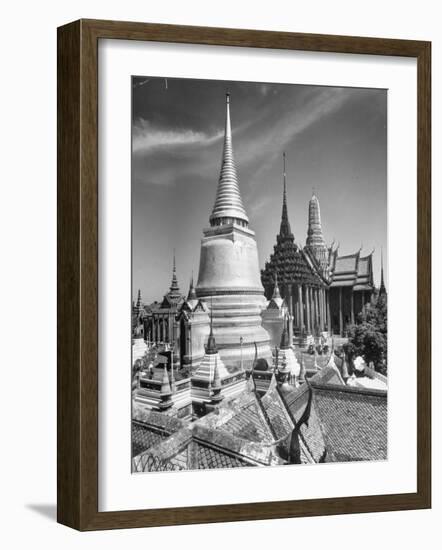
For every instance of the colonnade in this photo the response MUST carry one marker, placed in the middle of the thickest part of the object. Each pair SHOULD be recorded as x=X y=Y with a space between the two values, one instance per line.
x=159 y=327
x=309 y=307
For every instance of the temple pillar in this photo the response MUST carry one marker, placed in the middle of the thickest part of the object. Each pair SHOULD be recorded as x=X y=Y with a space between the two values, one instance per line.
x=312 y=293
x=324 y=305
x=315 y=310
x=307 y=307
x=290 y=306
x=352 y=308
x=294 y=310
x=318 y=299
x=301 y=309
x=327 y=297
x=341 y=319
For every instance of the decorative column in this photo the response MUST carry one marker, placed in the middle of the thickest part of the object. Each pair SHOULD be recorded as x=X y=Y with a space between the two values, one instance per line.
x=294 y=307
x=324 y=309
x=307 y=306
x=315 y=313
x=341 y=319
x=318 y=316
x=327 y=297
x=289 y=292
x=320 y=309
x=312 y=297
x=352 y=308
x=301 y=309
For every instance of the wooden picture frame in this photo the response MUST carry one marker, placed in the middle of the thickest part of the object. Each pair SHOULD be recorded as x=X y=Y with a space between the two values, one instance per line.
x=77 y=224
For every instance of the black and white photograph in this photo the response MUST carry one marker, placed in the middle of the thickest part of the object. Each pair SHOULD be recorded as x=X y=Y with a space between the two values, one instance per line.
x=259 y=274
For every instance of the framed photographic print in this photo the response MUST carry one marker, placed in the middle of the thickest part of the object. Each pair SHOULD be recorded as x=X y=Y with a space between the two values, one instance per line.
x=243 y=275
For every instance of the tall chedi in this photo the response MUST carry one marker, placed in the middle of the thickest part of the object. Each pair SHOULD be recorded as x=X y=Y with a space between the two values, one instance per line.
x=229 y=276
x=315 y=243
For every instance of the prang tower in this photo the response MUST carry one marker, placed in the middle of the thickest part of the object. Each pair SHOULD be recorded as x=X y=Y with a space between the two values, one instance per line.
x=229 y=276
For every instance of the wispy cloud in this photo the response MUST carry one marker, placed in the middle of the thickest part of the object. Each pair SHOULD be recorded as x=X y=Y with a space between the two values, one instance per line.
x=147 y=137
x=258 y=206
x=292 y=122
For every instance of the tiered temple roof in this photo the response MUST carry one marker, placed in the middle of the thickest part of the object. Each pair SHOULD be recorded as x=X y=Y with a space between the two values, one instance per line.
x=352 y=270
x=288 y=261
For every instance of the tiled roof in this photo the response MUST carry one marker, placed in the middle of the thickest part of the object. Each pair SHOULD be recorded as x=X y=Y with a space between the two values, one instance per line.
x=156 y=419
x=327 y=375
x=291 y=266
x=209 y=458
x=295 y=400
x=346 y=264
x=277 y=414
x=363 y=266
x=352 y=270
x=150 y=428
x=144 y=437
x=312 y=436
x=248 y=423
x=352 y=423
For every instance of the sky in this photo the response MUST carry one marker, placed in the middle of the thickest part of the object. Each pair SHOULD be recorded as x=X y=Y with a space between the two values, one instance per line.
x=335 y=141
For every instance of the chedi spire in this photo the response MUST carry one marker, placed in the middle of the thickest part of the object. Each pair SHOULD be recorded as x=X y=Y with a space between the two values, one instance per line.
x=314 y=232
x=315 y=243
x=228 y=207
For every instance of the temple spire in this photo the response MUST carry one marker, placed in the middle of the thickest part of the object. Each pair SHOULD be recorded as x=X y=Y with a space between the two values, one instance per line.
x=285 y=229
x=315 y=243
x=228 y=205
x=139 y=302
x=314 y=232
x=211 y=348
x=276 y=293
x=285 y=343
x=382 y=289
x=192 y=292
x=174 y=288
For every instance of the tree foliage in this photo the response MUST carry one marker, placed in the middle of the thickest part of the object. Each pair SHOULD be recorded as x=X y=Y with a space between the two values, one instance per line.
x=368 y=337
